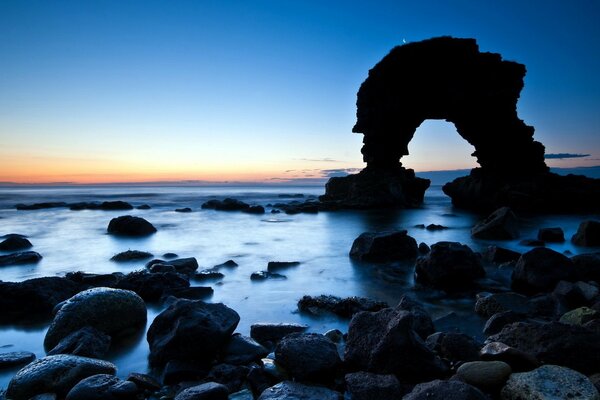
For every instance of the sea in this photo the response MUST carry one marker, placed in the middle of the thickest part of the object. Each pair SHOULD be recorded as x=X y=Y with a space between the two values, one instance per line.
x=78 y=241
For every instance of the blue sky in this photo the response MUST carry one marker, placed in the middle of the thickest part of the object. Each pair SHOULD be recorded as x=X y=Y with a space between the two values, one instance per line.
x=135 y=90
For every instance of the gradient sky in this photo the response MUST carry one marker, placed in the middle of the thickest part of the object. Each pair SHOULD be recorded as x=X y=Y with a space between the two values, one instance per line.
x=96 y=91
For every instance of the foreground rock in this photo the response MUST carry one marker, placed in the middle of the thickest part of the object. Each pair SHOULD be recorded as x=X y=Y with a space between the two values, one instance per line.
x=185 y=266
x=453 y=346
x=445 y=390
x=205 y=391
x=368 y=386
x=517 y=359
x=486 y=375
x=15 y=242
x=54 y=374
x=267 y=333
x=24 y=257
x=502 y=224
x=86 y=342
x=540 y=269
x=549 y=382
x=103 y=387
x=242 y=350
x=296 y=391
x=588 y=234
x=308 y=357
x=131 y=255
x=345 y=308
x=112 y=311
x=128 y=225
x=449 y=266
x=191 y=330
x=153 y=286
x=15 y=358
x=384 y=246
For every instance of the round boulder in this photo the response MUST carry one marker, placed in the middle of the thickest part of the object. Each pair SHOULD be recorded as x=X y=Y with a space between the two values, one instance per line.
x=103 y=387
x=502 y=224
x=445 y=390
x=112 y=311
x=484 y=374
x=15 y=242
x=308 y=356
x=384 y=246
x=128 y=225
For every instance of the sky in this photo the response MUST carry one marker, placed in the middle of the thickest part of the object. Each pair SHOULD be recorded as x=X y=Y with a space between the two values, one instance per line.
x=117 y=91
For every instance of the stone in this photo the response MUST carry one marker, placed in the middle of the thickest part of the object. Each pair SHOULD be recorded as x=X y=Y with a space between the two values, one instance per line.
x=502 y=224
x=191 y=293
x=551 y=235
x=204 y=391
x=95 y=280
x=185 y=266
x=273 y=332
x=232 y=376
x=549 y=382
x=131 y=255
x=273 y=266
x=588 y=234
x=23 y=257
x=41 y=206
x=190 y=330
x=500 y=255
x=176 y=371
x=144 y=382
x=226 y=264
x=539 y=270
x=344 y=308
x=243 y=350
x=308 y=357
x=445 y=390
x=288 y=390
x=369 y=386
x=103 y=387
x=579 y=316
x=488 y=304
x=15 y=358
x=384 y=246
x=15 y=242
x=532 y=243
x=254 y=210
x=422 y=323
x=85 y=342
x=144 y=207
x=449 y=266
x=575 y=294
x=112 y=311
x=275 y=371
x=205 y=275
x=384 y=342
x=587 y=267
x=54 y=374
x=227 y=204
x=242 y=395
x=128 y=225
x=423 y=248
x=153 y=286
x=335 y=335
x=105 y=205
x=453 y=346
x=497 y=321
x=518 y=360
x=485 y=375
x=264 y=275
x=183 y=210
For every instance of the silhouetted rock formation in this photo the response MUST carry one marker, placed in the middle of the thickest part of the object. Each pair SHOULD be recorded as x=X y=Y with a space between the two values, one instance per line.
x=449 y=78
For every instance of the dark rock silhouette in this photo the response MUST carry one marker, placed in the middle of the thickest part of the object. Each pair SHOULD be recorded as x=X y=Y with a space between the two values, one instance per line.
x=449 y=78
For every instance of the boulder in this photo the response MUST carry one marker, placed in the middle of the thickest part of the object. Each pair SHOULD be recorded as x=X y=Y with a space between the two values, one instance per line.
x=23 y=257
x=185 y=266
x=15 y=358
x=453 y=346
x=264 y=275
x=85 y=342
x=243 y=350
x=588 y=234
x=232 y=376
x=153 y=286
x=191 y=293
x=499 y=320
x=517 y=359
x=549 y=382
x=369 y=386
x=384 y=246
x=105 y=205
x=265 y=333
x=112 y=311
x=488 y=304
x=449 y=266
x=103 y=387
x=191 y=330
x=423 y=248
x=486 y=375
x=273 y=266
x=587 y=267
x=500 y=255
x=95 y=280
x=128 y=225
x=41 y=206
x=502 y=224
x=254 y=210
x=227 y=204
x=131 y=255
x=345 y=308
x=15 y=242
x=297 y=391
x=579 y=316
x=308 y=357
x=54 y=374
x=204 y=391
x=422 y=322
x=445 y=390
x=540 y=269
x=144 y=381
x=551 y=235
x=575 y=294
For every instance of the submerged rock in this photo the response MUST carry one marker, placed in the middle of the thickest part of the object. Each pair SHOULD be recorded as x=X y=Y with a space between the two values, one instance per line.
x=227 y=204
x=182 y=265
x=345 y=308
x=588 y=234
x=103 y=387
x=41 y=206
x=105 y=205
x=263 y=275
x=15 y=358
x=131 y=255
x=24 y=257
x=128 y=225
x=274 y=266
x=502 y=224
x=183 y=210
x=384 y=246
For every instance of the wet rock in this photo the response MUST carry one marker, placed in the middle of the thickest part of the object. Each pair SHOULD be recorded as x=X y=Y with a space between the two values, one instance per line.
x=555 y=343
x=144 y=382
x=275 y=372
x=131 y=255
x=95 y=280
x=182 y=265
x=105 y=205
x=384 y=342
x=502 y=224
x=128 y=225
x=335 y=335
x=206 y=275
x=345 y=308
x=41 y=206
x=15 y=242
x=227 y=204
x=549 y=382
x=551 y=235
x=232 y=376
x=499 y=320
x=243 y=350
x=488 y=304
x=588 y=234
x=288 y=390
x=111 y=311
x=539 y=270
x=242 y=395
x=308 y=357
x=143 y=207
x=264 y=275
x=176 y=371
x=368 y=386
x=204 y=391
x=579 y=316
x=436 y=227
x=423 y=248
x=486 y=375
x=103 y=387
x=456 y=347
x=587 y=267
x=191 y=293
x=254 y=210
x=54 y=374
x=500 y=255
x=264 y=333
x=226 y=264
x=15 y=358
x=191 y=330
x=422 y=323
x=384 y=246
x=449 y=266
x=162 y=268
x=34 y=298
x=532 y=243
x=517 y=359
x=274 y=266
x=576 y=294
x=85 y=342
x=153 y=286
x=183 y=210
x=23 y=257
x=445 y=390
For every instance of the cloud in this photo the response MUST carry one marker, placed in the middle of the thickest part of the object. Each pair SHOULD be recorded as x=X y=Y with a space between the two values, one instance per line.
x=560 y=156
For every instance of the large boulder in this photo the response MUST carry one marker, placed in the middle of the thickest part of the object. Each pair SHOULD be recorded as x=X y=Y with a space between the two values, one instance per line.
x=153 y=286
x=308 y=357
x=448 y=266
x=588 y=234
x=502 y=224
x=540 y=269
x=191 y=330
x=103 y=387
x=549 y=382
x=15 y=242
x=112 y=311
x=23 y=257
x=445 y=390
x=385 y=342
x=297 y=391
x=265 y=333
x=128 y=225
x=54 y=374
x=384 y=246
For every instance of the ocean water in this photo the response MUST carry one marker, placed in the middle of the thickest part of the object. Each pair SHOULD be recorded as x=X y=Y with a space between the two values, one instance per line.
x=77 y=241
